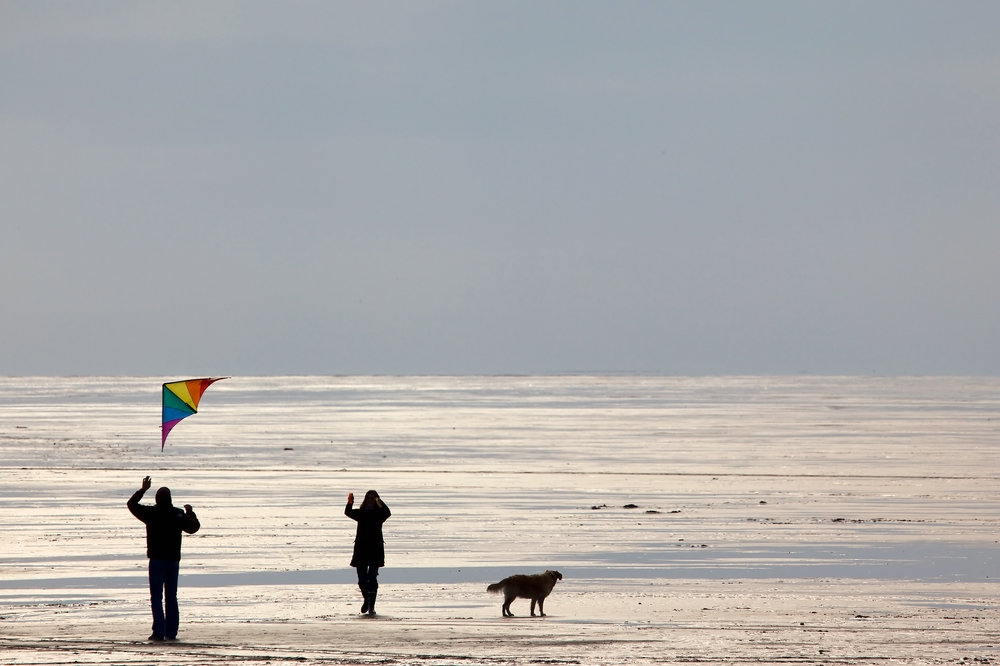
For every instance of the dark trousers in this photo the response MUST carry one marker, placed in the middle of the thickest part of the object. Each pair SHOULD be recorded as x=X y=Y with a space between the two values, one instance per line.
x=368 y=579
x=163 y=578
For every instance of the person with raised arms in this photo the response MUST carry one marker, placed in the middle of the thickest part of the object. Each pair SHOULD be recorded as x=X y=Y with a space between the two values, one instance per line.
x=369 y=546
x=164 y=524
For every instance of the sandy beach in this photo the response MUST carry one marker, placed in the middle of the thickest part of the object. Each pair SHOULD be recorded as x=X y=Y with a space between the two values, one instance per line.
x=775 y=519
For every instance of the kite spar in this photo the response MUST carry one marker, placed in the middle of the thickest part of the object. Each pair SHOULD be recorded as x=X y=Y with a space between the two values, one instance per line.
x=180 y=400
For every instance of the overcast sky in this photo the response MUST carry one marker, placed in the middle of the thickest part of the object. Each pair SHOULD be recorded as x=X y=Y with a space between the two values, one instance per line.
x=499 y=187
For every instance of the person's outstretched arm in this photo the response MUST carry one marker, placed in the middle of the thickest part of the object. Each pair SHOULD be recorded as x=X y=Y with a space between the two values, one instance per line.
x=133 y=502
x=190 y=522
x=349 y=510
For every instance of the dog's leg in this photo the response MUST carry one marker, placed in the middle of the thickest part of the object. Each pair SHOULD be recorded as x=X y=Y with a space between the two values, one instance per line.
x=540 y=602
x=506 y=606
x=532 y=608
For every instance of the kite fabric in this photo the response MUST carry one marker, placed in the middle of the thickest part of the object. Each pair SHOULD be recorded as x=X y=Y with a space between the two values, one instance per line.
x=180 y=400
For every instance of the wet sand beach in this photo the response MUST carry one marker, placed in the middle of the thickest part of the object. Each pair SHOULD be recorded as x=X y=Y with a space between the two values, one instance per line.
x=775 y=519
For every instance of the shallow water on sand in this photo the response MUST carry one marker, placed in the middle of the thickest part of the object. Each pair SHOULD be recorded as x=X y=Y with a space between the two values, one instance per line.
x=802 y=492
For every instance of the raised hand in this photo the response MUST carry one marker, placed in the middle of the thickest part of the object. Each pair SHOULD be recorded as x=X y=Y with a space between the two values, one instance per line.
x=350 y=498
x=146 y=483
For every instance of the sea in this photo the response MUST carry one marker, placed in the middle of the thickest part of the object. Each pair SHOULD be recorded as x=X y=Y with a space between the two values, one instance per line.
x=474 y=466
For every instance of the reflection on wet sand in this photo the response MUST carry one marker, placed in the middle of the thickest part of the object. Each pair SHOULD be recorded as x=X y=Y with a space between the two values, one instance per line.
x=768 y=519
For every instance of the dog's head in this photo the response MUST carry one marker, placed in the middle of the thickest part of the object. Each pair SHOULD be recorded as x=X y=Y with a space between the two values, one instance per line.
x=555 y=575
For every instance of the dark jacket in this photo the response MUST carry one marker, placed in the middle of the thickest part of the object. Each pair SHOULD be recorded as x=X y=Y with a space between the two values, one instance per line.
x=369 y=548
x=164 y=524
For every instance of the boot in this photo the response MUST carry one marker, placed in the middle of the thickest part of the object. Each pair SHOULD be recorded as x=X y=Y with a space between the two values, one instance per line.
x=370 y=600
x=365 y=606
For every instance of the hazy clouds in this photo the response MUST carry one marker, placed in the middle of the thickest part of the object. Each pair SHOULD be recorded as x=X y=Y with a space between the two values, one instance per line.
x=710 y=187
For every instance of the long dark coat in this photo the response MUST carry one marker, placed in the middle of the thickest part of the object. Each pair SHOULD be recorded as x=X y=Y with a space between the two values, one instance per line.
x=369 y=547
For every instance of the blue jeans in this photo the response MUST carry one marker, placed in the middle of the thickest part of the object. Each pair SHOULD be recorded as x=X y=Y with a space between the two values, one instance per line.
x=163 y=577
x=367 y=579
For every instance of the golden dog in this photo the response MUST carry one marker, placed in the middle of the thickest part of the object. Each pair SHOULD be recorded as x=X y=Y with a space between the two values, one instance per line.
x=535 y=587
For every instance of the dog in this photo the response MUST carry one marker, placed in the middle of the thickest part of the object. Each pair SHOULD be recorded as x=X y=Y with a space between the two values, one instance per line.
x=535 y=587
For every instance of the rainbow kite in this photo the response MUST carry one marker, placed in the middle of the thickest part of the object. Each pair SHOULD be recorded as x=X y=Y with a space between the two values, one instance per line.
x=180 y=400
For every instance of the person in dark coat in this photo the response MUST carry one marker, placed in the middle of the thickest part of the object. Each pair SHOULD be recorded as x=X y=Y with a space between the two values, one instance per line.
x=369 y=547
x=164 y=524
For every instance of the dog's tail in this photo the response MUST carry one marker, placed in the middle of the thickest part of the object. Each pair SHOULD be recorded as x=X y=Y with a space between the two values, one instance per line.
x=497 y=588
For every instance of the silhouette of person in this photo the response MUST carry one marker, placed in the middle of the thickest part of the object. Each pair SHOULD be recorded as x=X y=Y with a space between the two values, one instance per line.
x=164 y=524
x=369 y=547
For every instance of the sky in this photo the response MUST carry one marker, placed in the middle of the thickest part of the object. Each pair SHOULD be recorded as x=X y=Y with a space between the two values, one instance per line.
x=694 y=188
